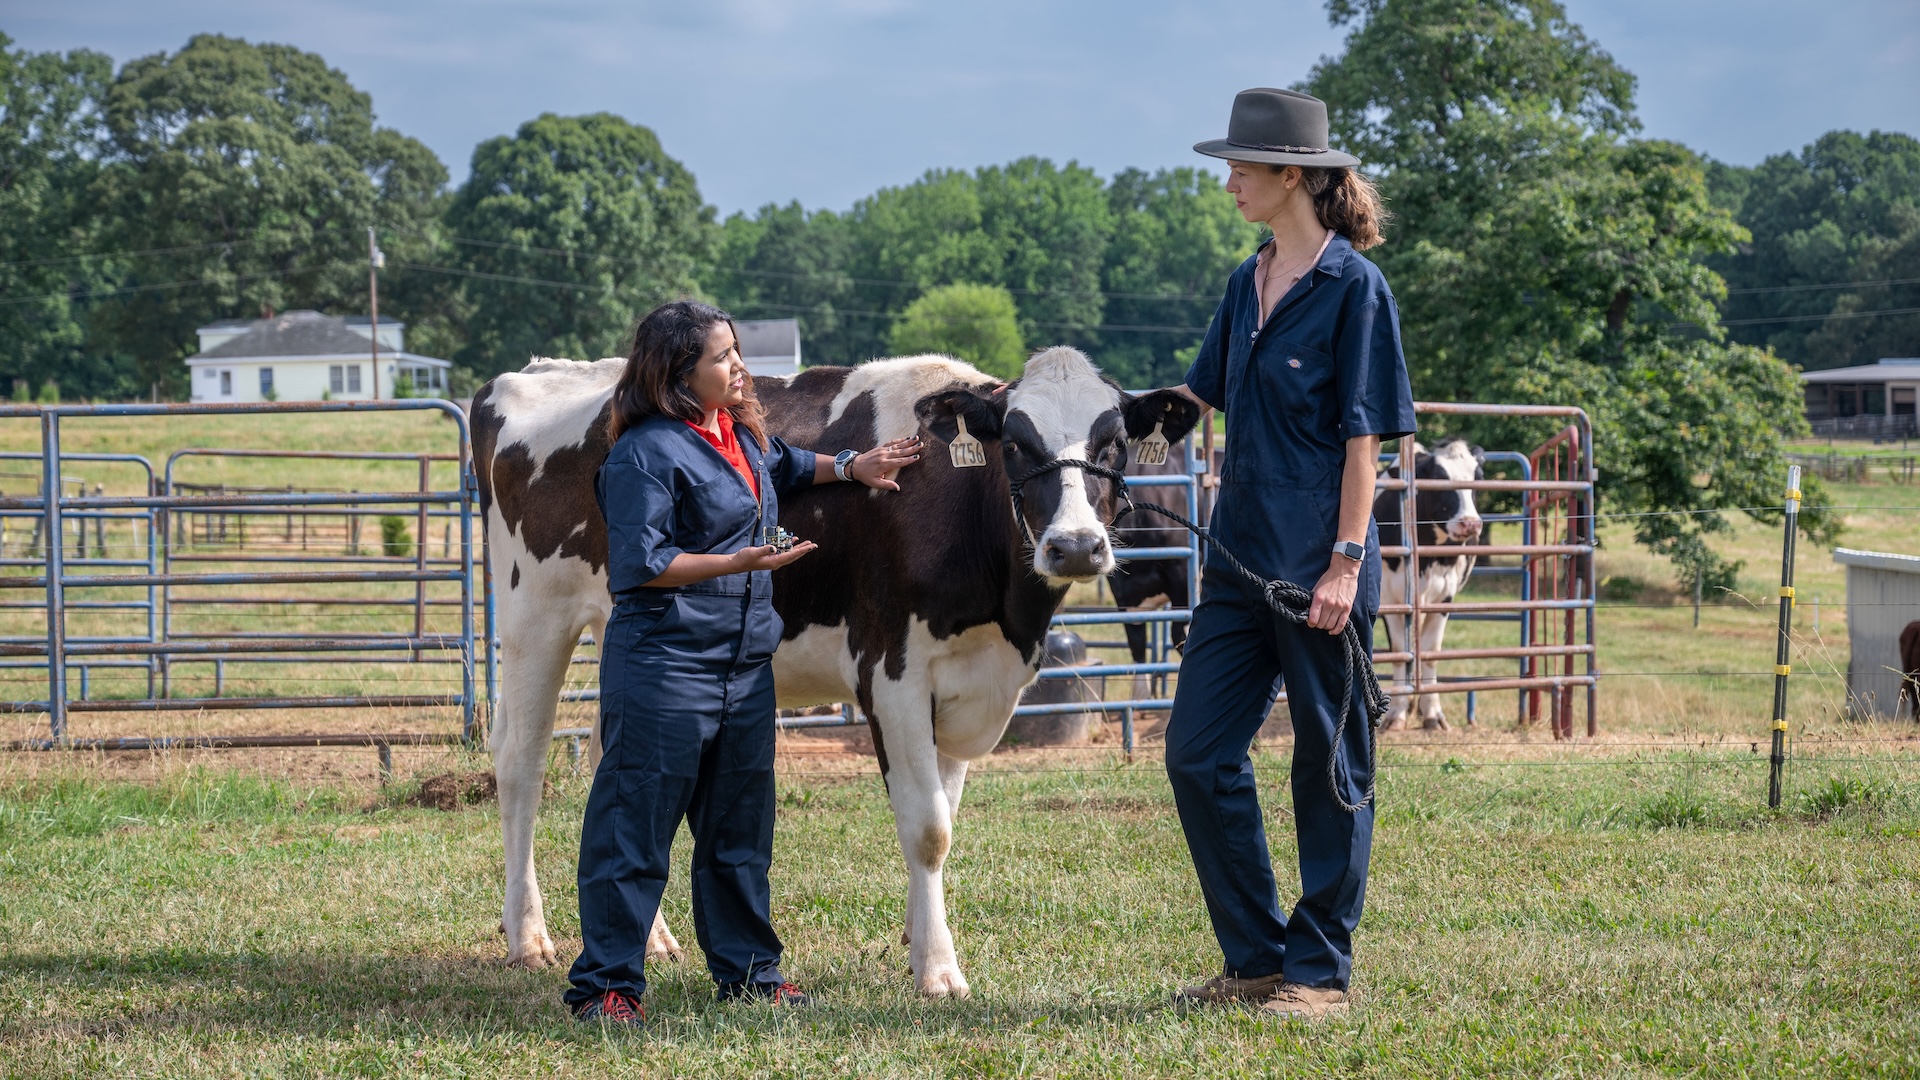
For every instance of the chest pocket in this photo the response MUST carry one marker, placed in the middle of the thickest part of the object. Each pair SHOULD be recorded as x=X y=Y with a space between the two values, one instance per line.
x=1296 y=379
x=710 y=513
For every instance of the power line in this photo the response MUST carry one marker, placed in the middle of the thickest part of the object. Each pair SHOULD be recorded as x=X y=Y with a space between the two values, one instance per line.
x=162 y=285
x=1823 y=285
x=1831 y=315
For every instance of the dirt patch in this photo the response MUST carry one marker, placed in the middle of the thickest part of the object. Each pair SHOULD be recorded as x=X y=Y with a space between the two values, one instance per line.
x=454 y=790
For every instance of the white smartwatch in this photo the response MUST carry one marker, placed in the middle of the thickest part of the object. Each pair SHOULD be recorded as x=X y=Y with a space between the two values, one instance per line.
x=1351 y=550
x=842 y=462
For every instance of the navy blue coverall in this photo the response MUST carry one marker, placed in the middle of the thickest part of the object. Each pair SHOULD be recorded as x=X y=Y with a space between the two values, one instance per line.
x=686 y=710
x=1326 y=367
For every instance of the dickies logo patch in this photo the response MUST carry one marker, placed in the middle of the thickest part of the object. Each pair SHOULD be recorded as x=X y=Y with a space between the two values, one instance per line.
x=1293 y=361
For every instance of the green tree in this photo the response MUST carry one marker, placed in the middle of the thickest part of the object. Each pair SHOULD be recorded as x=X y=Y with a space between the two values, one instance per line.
x=590 y=202
x=1541 y=255
x=51 y=140
x=787 y=263
x=1846 y=209
x=977 y=323
x=1176 y=237
x=258 y=169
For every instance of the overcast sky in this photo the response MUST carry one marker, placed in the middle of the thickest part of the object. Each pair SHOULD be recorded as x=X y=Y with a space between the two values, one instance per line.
x=826 y=100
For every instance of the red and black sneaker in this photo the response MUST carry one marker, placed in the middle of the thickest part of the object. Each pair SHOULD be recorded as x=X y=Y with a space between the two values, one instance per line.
x=614 y=1007
x=784 y=993
x=788 y=994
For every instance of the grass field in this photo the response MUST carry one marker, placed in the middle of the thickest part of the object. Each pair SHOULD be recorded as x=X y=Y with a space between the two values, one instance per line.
x=1625 y=906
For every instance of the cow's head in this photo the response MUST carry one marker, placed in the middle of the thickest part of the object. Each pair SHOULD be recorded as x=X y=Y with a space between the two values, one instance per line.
x=1061 y=407
x=1452 y=513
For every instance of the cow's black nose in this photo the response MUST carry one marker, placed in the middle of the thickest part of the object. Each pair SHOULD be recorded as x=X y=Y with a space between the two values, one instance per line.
x=1077 y=554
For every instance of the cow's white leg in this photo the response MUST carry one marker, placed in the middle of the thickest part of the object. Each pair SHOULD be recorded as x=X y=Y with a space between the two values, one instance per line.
x=533 y=668
x=1433 y=629
x=953 y=781
x=923 y=818
x=1397 y=642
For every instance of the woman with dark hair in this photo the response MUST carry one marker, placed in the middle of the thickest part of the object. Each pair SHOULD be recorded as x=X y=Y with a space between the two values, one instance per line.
x=1304 y=357
x=686 y=675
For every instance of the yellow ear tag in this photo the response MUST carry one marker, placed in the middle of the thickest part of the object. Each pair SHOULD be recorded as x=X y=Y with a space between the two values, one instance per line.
x=965 y=450
x=1151 y=450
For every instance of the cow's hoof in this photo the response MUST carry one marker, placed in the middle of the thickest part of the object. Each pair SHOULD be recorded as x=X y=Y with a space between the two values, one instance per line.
x=944 y=982
x=1392 y=721
x=535 y=952
x=1436 y=722
x=662 y=945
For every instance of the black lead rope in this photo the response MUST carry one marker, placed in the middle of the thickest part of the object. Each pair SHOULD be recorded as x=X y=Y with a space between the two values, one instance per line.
x=1290 y=601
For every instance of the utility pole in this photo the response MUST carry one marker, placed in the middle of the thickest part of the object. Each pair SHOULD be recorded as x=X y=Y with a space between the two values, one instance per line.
x=375 y=260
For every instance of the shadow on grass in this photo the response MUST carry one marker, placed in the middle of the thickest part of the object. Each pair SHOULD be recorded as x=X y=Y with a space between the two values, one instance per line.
x=177 y=991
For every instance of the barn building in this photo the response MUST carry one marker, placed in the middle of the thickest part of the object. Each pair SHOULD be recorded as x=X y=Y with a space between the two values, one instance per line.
x=769 y=346
x=1869 y=401
x=307 y=356
x=1883 y=596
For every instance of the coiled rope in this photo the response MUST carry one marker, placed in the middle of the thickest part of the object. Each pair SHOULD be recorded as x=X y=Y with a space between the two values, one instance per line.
x=1288 y=600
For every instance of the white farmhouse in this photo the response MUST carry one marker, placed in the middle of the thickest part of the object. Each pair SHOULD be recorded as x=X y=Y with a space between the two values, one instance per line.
x=307 y=356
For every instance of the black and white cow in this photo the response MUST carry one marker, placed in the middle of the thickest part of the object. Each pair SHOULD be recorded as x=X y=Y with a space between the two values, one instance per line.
x=927 y=606
x=1445 y=518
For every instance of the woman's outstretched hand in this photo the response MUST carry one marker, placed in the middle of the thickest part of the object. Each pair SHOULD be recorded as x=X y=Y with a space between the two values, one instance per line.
x=876 y=467
x=765 y=557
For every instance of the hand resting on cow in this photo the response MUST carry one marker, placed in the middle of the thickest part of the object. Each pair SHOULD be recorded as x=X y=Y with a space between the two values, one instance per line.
x=927 y=606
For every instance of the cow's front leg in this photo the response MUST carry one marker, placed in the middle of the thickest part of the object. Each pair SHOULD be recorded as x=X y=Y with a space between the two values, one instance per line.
x=533 y=667
x=923 y=818
x=1397 y=642
x=1433 y=630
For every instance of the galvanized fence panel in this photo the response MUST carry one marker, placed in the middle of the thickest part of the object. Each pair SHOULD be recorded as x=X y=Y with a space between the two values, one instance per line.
x=170 y=584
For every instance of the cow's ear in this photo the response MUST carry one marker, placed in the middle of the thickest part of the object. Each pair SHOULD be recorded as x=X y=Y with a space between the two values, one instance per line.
x=984 y=413
x=1173 y=411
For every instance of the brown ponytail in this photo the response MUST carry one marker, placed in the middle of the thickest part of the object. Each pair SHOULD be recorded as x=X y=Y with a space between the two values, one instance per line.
x=1348 y=203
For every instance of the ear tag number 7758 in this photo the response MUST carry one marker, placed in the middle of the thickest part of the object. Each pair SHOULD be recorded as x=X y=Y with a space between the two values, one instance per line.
x=965 y=450
x=1151 y=450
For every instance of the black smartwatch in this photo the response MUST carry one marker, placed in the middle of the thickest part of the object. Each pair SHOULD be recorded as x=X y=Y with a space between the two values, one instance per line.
x=843 y=461
x=1351 y=550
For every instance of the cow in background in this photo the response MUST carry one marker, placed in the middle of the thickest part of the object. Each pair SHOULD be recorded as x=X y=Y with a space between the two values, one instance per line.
x=1909 y=671
x=1443 y=519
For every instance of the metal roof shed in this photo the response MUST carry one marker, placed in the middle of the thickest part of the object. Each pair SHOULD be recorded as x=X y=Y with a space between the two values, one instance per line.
x=1883 y=596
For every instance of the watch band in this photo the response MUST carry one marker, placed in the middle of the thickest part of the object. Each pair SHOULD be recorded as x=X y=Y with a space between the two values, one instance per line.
x=843 y=461
x=1351 y=550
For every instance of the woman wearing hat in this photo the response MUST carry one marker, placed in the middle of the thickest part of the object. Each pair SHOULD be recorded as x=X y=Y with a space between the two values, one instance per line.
x=1304 y=358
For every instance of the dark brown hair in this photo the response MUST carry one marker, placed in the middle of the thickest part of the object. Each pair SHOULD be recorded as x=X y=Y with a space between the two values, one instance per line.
x=1346 y=202
x=667 y=342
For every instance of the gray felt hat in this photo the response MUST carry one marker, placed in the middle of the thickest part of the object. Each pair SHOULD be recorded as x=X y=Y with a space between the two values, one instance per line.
x=1277 y=127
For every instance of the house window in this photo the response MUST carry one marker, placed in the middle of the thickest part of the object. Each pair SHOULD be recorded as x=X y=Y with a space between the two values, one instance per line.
x=1903 y=400
x=266 y=382
x=226 y=383
x=337 y=378
x=353 y=378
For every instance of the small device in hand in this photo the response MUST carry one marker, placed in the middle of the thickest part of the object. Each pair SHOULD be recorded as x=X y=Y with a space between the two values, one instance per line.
x=780 y=540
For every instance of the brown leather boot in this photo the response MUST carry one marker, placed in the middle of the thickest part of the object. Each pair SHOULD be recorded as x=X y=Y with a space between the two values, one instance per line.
x=1296 y=1002
x=1224 y=988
